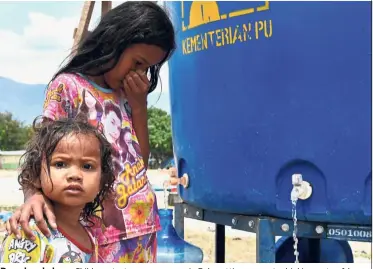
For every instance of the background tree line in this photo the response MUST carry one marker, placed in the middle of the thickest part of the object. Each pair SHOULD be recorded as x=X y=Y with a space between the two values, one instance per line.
x=14 y=134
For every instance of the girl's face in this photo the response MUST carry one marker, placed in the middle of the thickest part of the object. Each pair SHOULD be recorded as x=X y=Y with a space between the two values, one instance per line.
x=138 y=57
x=112 y=127
x=90 y=100
x=75 y=171
x=128 y=138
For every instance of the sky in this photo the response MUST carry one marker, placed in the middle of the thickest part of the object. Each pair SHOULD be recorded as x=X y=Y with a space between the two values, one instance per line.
x=35 y=38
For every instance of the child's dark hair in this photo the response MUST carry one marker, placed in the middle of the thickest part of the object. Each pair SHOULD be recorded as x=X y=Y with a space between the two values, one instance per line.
x=133 y=22
x=47 y=134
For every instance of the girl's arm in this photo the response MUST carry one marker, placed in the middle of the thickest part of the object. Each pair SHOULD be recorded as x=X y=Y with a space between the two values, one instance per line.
x=140 y=124
x=29 y=192
x=56 y=106
x=136 y=86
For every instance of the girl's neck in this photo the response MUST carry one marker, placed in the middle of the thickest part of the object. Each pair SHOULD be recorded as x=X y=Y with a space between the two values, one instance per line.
x=67 y=216
x=100 y=81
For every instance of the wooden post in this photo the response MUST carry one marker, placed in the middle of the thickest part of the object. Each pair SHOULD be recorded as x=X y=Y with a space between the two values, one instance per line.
x=85 y=18
x=82 y=29
x=105 y=7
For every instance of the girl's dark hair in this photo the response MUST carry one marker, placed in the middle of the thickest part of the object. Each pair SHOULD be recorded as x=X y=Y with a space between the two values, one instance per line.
x=47 y=134
x=110 y=107
x=133 y=22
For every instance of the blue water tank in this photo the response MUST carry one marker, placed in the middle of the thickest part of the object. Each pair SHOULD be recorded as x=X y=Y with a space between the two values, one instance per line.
x=263 y=90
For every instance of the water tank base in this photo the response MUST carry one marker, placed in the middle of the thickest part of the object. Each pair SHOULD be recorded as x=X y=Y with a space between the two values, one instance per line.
x=329 y=251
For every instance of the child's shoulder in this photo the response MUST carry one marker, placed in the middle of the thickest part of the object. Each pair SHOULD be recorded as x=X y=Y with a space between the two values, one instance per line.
x=22 y=250
x=68 y=80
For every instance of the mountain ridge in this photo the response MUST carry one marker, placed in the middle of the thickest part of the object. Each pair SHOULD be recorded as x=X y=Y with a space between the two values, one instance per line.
x=26 y=102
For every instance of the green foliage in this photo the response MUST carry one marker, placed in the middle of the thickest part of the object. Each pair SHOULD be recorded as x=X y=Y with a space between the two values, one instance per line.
x=160 y=137
x=13 y=133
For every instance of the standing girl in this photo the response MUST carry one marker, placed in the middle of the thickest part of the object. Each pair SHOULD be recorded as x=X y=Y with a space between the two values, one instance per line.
x=69 y=162
x=113 y=63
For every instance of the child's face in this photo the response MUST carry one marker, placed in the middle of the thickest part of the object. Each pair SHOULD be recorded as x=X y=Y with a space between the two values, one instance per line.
x=138 y=57
x=75 y=171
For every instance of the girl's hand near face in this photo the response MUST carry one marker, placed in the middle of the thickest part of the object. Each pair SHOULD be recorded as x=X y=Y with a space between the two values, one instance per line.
x=136 y=86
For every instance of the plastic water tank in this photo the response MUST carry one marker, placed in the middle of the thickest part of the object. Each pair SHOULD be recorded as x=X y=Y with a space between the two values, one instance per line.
x=263 y=90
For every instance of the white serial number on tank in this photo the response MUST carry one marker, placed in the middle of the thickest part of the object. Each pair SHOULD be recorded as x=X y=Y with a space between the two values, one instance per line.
x=354 y=233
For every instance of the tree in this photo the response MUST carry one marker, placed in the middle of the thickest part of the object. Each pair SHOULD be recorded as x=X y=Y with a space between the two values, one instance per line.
x=160 y=136
x=13 y=133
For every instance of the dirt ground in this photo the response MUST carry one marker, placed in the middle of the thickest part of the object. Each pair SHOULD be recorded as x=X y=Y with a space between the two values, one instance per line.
x=239 y=249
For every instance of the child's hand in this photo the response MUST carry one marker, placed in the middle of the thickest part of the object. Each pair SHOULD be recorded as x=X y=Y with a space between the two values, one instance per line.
x=136 y=87
x=38 y=206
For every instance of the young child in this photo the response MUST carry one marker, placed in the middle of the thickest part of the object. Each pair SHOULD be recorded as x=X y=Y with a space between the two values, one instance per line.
x=116 y=66
x=70 y=163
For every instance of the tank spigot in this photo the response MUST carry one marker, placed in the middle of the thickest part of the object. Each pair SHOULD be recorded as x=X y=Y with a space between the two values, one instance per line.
x=183 y=181
x=301 y=189
x=174 y=180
